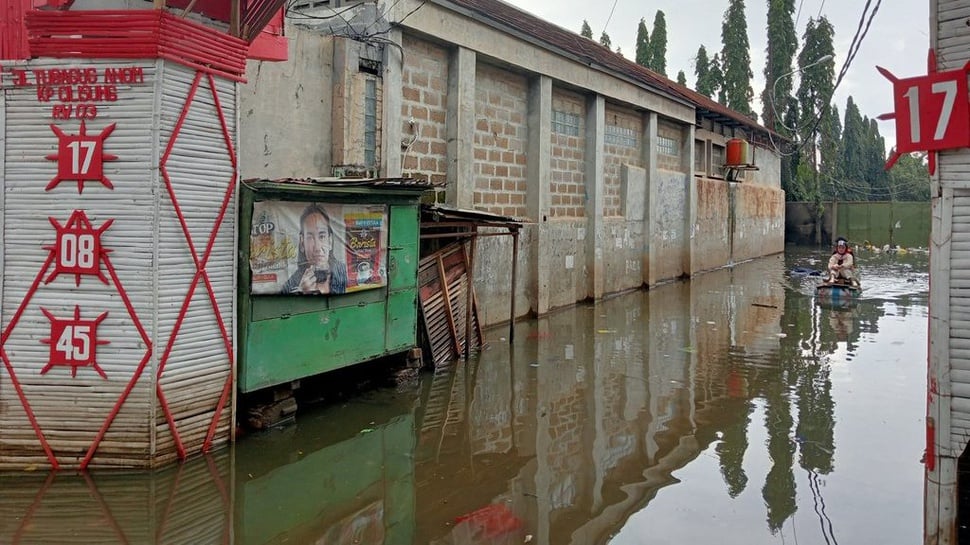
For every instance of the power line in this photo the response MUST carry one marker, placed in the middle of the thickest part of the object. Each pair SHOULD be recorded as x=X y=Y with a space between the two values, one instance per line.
x=610 y=18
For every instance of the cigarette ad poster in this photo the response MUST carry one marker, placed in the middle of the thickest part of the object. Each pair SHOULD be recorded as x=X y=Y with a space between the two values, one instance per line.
x=300 y=248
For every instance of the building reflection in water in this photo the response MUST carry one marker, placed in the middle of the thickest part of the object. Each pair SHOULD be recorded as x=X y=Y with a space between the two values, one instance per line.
x=559 y=438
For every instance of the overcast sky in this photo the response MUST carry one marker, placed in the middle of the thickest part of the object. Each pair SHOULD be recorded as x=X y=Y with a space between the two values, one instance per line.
x=898 y=39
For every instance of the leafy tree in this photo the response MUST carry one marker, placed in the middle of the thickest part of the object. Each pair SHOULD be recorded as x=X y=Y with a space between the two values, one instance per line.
x=658 y=44
x=704 y=83
x=817 y=78
x=910 y=178
x=605 y=40
x=736 y=60
x=814 y=93
x=586 y=32
x=682 y=78
x=782 y=44
x=643 y=44
x=791 y=162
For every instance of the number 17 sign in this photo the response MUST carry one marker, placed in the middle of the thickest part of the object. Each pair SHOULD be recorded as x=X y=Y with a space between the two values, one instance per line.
x=932 y=111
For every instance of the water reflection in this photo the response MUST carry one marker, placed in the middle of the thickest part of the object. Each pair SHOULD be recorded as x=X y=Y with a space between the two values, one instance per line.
x=732 y=409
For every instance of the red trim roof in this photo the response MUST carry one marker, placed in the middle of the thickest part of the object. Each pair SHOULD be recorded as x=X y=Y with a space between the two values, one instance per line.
x=135 y=34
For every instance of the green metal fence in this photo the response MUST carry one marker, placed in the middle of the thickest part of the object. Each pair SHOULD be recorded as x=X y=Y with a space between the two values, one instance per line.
x=905 y=224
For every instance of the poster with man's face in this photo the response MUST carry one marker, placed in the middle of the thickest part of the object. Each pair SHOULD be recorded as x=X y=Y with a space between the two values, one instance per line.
x=317 y=248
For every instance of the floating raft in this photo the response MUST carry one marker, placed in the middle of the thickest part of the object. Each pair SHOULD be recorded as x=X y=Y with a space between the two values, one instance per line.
x=837 y=290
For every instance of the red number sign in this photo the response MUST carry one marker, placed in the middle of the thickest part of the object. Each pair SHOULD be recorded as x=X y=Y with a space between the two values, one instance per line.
x=80 y=157
x=73 y=342
x=78 y=249
x=932 y=111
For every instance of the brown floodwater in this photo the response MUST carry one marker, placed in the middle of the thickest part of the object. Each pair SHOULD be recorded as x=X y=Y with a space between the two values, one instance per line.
x=734 y=408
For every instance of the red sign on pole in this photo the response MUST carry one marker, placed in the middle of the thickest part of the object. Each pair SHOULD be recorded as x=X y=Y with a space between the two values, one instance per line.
x=932 y=112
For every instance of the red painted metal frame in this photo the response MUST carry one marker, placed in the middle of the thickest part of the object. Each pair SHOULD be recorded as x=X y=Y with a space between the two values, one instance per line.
x=131 y=382
x=13 y=37
x=136 y=34
x=200 y=265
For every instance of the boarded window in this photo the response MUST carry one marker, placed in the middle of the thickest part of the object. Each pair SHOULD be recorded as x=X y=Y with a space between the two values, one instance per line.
x=700 y=156
x=565 y=123
x=620 y=136
x=717 y=159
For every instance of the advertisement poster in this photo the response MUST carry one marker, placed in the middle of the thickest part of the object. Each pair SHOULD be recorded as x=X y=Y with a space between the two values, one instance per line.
x=317 y=248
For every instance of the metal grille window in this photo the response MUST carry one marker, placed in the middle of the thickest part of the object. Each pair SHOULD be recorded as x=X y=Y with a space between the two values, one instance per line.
x=565 y=123
x=370 y=123
x=668 y=146
x=620 y=136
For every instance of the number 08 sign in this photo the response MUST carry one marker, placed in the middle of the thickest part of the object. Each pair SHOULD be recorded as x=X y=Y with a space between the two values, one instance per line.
x=932 y=111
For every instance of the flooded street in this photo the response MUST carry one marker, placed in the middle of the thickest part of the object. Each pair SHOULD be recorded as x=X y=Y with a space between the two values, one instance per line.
x=732 y=409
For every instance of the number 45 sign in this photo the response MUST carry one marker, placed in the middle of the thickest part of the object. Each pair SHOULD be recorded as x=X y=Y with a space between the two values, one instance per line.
x=932 y=111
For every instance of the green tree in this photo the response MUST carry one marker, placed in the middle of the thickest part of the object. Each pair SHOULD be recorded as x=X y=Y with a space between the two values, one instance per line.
x=704 y=83
x=876 y=163
x=658 y=44
x=717 y=75
x=643 y=44
x=736 y=59
x=814 y=93
x=853 y=154
x=830 y=153
x=782 y=45
x=586 y=32
x=605 y=40
x=682 y=78
x=817 y=78
x=791 y=161
x=910 y=178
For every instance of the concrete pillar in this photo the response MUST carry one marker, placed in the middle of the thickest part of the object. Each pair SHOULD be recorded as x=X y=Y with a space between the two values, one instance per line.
x=537 y=196
x=391 y=133
x=595 y=187
x=652 y=199
x=461 y=127
x=687 y=154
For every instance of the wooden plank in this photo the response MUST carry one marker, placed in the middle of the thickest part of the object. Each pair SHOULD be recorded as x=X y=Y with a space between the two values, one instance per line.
x=448 y=310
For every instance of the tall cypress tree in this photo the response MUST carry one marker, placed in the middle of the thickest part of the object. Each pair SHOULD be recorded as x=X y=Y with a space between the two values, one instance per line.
x=717 y=75
x=586 y=32
x=875 y=163
x=830 y=152
x=682 y=78
x=703 y=83
x=736 y=60
x=658 y=44
x=817 y=78
x=854 y=154
x=782 y=44
x=643 y=44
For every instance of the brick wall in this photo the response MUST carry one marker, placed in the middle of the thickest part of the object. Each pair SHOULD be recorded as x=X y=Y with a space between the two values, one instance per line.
x=623 y=145
x=424 y=90
x=670 y=139
x=501 y=138
x=567 y=177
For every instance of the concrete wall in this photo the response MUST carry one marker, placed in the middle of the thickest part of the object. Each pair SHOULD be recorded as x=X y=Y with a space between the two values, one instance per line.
x=599 y=169
x=295 y=140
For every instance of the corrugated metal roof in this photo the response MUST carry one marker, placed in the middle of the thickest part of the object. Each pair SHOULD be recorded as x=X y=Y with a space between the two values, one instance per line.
x=592 y=53
x=439 y=212
x=382 y=183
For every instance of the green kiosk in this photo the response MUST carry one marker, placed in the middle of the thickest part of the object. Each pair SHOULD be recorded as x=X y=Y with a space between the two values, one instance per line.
x=327 y=275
